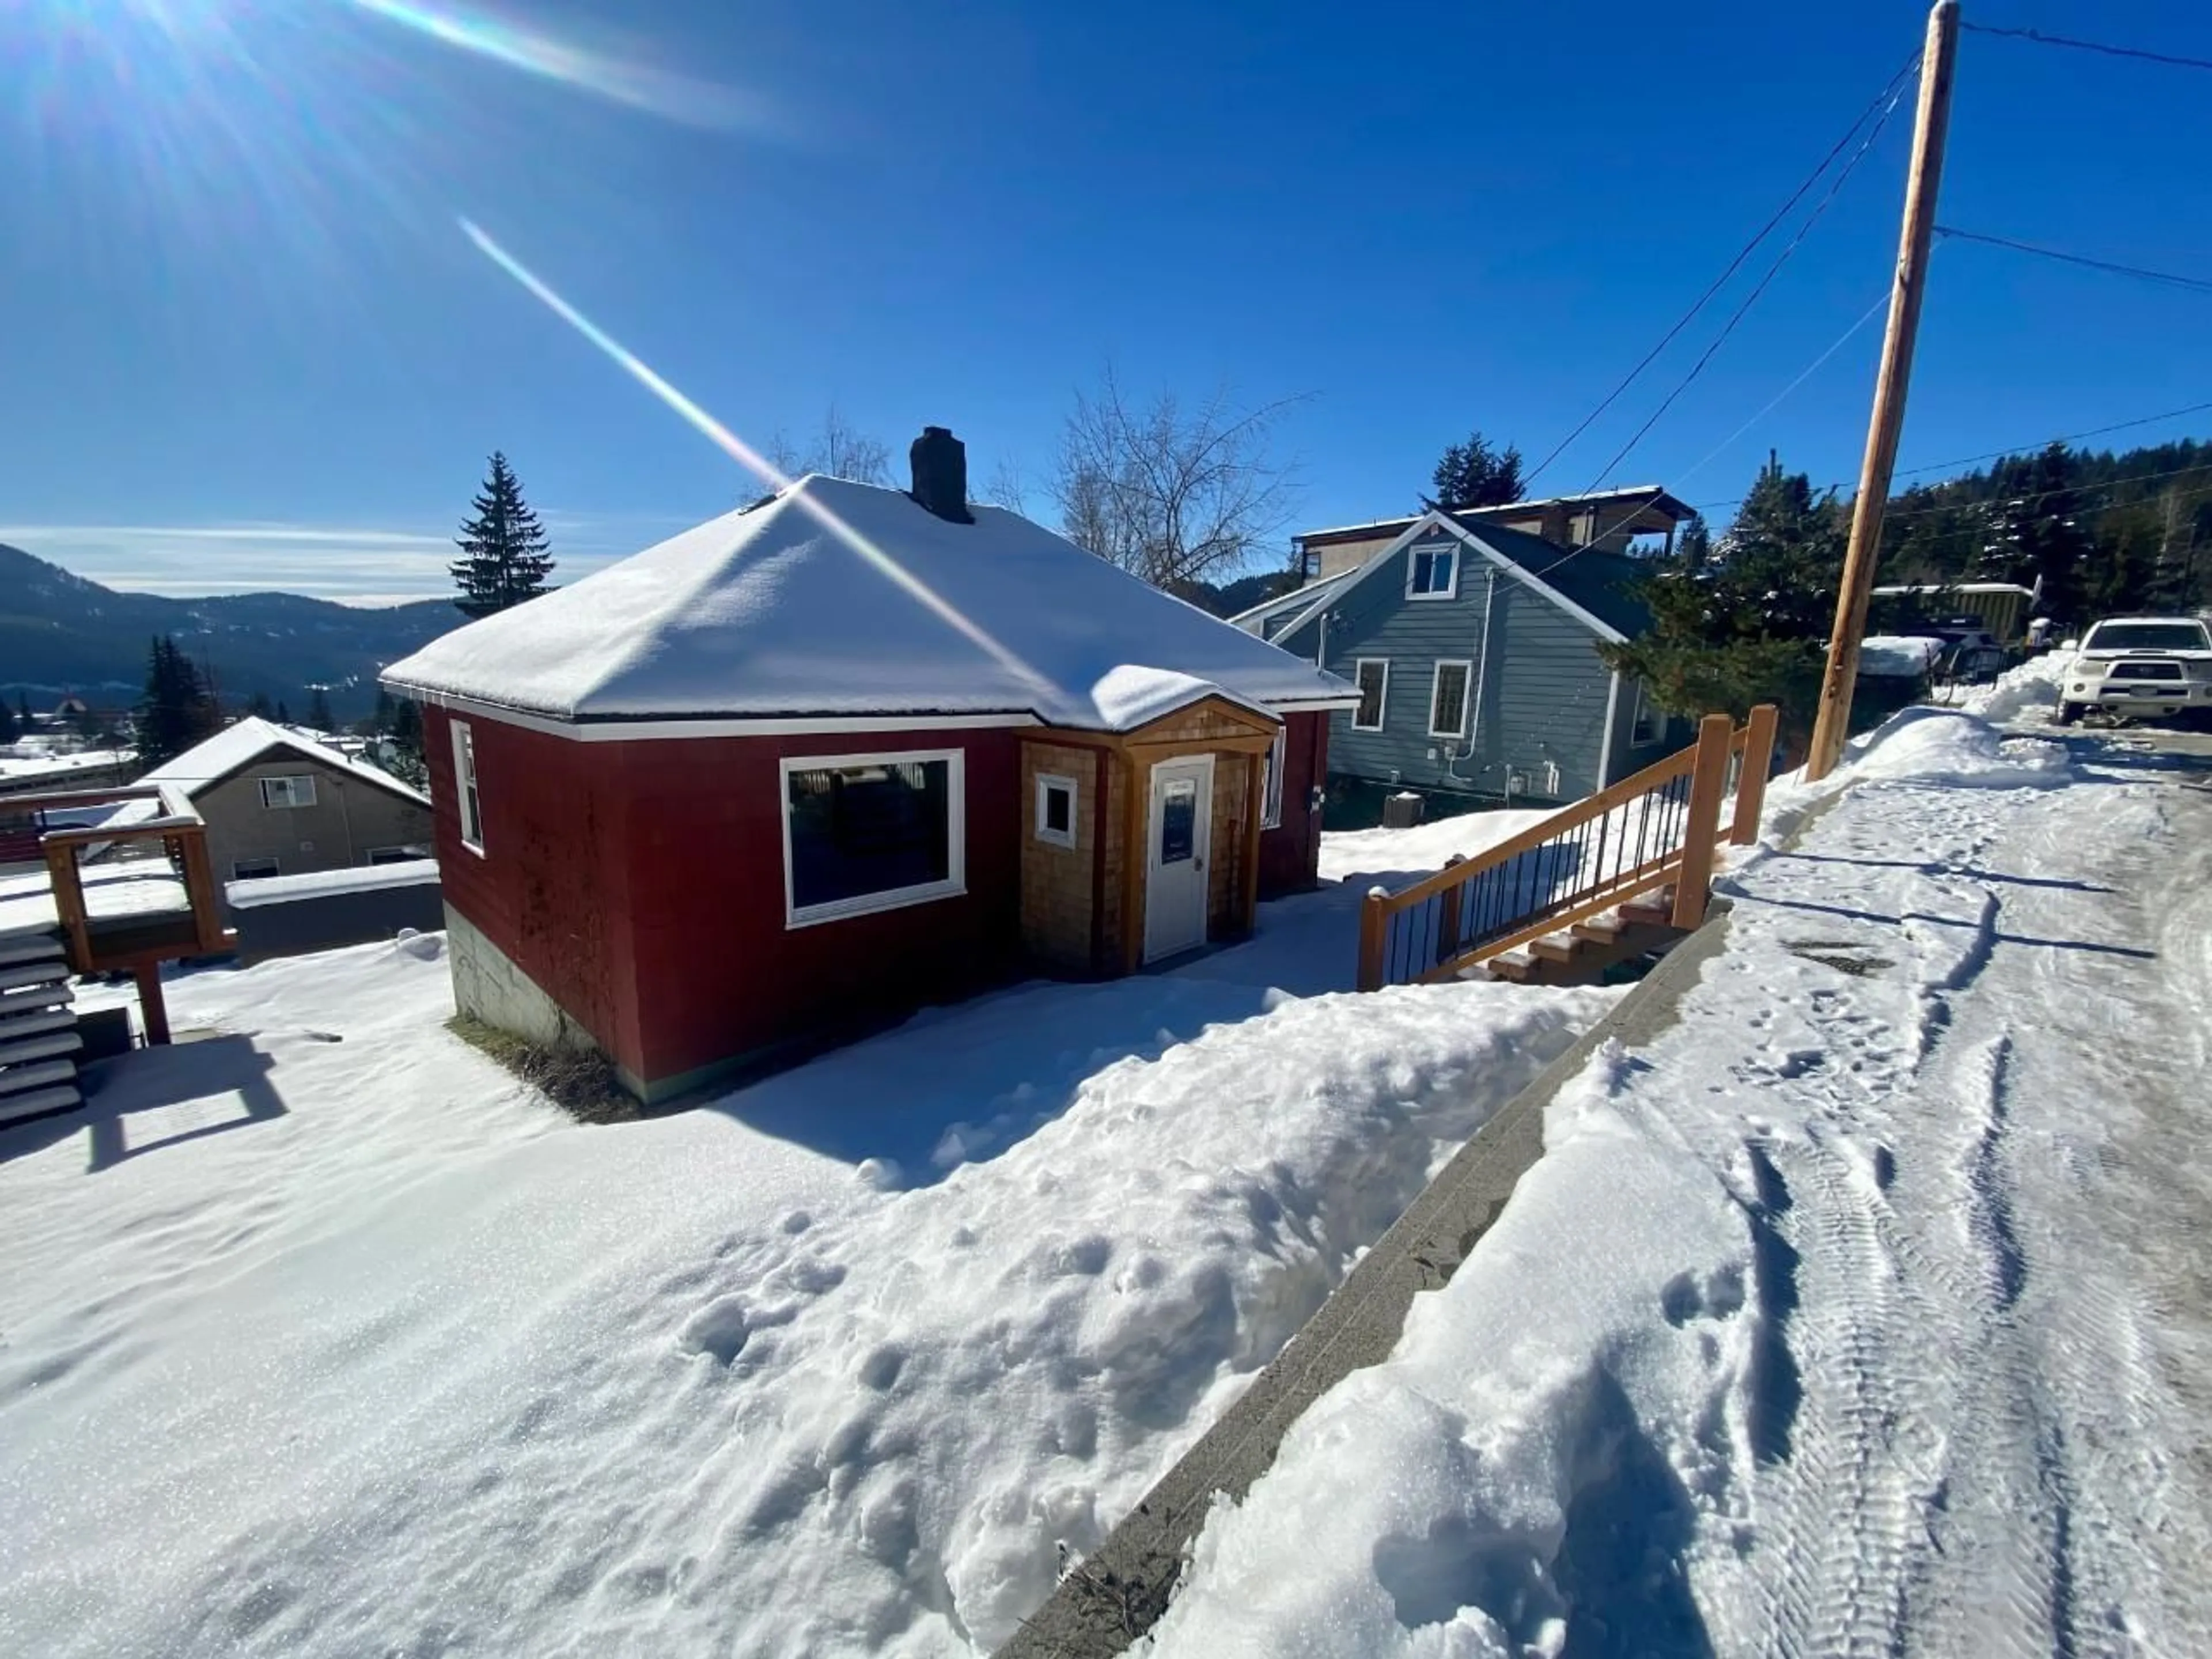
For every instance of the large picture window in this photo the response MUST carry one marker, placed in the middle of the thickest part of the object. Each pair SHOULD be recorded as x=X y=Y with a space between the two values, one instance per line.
x=870 y=832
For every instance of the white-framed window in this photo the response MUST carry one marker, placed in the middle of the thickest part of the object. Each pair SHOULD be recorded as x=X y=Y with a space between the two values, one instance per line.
x=1432 y=570
x=288 y=793
x=465 y=788
x=1643 y=720
x=396 y=854
x=1055 y=809
x=1448 y=699
x=253 y=869
x=1271 y=785
x=1372 y=675
x=871 y=832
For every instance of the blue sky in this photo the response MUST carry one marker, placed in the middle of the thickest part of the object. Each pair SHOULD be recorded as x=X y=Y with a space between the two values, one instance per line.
x=247 y=344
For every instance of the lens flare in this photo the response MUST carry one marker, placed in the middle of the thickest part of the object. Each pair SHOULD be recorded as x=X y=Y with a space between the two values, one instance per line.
x=638 y=86
x=745 y=455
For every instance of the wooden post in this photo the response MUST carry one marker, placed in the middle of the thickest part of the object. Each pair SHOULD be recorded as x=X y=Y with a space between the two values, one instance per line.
x=1454 y=899
x=1374 y=928
x=200 y=889
x=152 y=1007
x=1256 y=790
x=1751 y=781
x=1833 y=722
x=1708 y=783
x=1136 y=835
x=69 y=902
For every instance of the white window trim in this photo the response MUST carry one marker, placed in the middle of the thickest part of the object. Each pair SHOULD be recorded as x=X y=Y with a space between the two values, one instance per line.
x=1382 y=697
x=276 y=870
x=1449 y=590
x=1046 y=783
x=1466 y=665
x=1640 y=712
x=467 y=786
x=956 y=831
x=1271 y=789
x=291 y=780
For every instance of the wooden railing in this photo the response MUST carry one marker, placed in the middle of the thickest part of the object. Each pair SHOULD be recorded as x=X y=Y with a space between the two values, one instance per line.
x=170 y=845
x=1655 y=829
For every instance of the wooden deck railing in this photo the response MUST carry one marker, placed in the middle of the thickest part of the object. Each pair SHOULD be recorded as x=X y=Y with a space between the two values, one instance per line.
x=1656 y=827
x=172 y=840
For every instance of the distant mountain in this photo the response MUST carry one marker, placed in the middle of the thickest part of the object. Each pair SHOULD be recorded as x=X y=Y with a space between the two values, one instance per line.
x=61 y=633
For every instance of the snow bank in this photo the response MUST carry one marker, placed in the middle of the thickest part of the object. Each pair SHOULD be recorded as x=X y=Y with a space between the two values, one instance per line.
x=1943 y=746
x=1346 y=855
x=344 y=1344
x=2027 y=692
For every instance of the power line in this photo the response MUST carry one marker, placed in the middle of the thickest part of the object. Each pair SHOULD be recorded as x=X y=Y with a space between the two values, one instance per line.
x=1886 y=94
x=1807 y=373
x=2201 y=284
x=2082 y=489
x=1757 y=288
x=2109 y=51
x=2063 y=438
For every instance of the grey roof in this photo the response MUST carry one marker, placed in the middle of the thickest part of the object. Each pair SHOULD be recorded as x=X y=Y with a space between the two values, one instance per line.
x=1603 y=583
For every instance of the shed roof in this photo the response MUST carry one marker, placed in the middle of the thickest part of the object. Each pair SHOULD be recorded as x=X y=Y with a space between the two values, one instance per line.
x=835 y=599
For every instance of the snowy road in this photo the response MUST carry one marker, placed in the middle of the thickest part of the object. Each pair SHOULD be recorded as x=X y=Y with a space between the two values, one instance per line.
x=1865 y=1312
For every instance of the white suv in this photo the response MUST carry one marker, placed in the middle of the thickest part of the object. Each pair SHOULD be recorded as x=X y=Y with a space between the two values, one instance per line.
x=2145 y=666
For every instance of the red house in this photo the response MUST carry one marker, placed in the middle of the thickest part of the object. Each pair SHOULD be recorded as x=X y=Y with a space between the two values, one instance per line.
x=847 y=751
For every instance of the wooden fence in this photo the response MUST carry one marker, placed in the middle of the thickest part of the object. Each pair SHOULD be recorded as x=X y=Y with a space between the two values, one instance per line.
x=1651 y=830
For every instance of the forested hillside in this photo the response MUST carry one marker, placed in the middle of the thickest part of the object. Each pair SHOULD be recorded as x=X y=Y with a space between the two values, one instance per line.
x=2104 y=532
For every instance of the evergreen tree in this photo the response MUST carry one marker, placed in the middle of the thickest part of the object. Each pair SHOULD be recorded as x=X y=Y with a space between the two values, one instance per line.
x=260 y=706
x=506 y=556
x=23 y=709
x=1741 y=620
x=1474 y=474
x=284 y=714
x=10 y=728
x=407 y=761
x=176 y=712
x=319 y=709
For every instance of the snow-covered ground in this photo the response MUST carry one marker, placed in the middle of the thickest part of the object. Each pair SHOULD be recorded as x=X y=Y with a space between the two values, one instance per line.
x=1864 y=1311
x=323 y=1336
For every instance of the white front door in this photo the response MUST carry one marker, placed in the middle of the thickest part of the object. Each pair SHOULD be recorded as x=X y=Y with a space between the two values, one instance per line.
x=1181 y=824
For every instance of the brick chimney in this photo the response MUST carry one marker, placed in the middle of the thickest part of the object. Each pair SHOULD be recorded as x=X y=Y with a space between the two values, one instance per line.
x=940 y=462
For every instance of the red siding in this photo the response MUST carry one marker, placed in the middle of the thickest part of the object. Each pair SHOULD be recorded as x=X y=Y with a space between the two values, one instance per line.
x=550 y=887
x=640 y=885
x=1290 y=856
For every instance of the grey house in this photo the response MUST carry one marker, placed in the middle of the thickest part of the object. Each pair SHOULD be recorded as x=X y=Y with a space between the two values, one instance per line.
x=1475 y=648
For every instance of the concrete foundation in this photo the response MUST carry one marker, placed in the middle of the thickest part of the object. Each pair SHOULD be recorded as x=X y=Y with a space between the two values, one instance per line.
x=489 y=988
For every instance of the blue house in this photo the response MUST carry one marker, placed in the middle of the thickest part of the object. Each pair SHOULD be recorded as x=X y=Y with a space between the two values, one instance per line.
x=1475 y=648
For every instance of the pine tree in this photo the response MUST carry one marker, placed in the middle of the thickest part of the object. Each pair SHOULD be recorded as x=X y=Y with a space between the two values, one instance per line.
x=1474 y=474
x=10 y=728
x=23 y=709
x=1741 y=622
x=319 y=709
x=284 y=714
x=505 y=555
x=176 y=712
x=260 y=706
x=407 y=762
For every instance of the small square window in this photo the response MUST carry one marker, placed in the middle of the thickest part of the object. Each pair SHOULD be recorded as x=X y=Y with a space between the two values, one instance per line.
x=253 y=869
x=1055 y=809
x=288 y=793
x=1432 y=571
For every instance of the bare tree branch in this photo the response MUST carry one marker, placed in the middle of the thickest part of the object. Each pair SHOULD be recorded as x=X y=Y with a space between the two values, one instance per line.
x=837 y=448
x=1170 y=496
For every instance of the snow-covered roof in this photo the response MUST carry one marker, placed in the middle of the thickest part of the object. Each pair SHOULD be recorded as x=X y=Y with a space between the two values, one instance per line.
x=836 y=599
x=1961 y=587
x=245 y=741
x=1297 y=600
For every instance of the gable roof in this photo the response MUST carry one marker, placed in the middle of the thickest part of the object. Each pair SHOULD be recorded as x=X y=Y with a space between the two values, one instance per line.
x=1254 y=621
x=243 y=742
x=1596 y=588
x=836 y=600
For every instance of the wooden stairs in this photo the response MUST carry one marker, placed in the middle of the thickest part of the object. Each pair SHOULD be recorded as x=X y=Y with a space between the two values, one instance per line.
x=1582 y=953
x=39 y=1040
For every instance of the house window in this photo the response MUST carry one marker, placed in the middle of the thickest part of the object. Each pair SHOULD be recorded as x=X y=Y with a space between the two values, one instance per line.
x=465 y=786
x=299 y=790
x=1271 y=787
x=1372 y=675
x=253 y=869
x=1643 y=724
x=871 y=832
x=1055 y=809
x=396 y=854
x=1448 y=700
x=1432 y=572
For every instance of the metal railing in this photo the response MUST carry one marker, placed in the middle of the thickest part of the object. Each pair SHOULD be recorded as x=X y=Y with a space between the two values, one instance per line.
x=1656 y=827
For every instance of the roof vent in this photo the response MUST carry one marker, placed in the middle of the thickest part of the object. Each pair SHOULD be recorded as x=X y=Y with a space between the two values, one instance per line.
x=939 y=461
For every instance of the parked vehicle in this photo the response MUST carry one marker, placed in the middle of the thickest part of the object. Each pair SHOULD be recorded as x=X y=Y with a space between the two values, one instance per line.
x=2143 y=667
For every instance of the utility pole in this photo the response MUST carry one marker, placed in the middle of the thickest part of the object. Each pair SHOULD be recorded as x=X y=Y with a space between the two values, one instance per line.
x=1937 y=64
